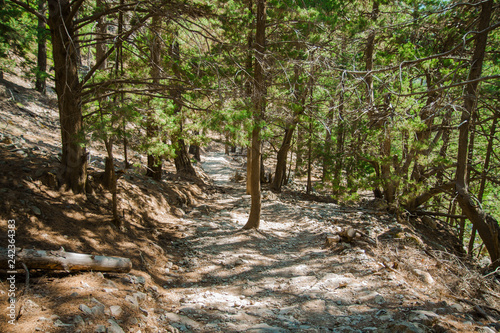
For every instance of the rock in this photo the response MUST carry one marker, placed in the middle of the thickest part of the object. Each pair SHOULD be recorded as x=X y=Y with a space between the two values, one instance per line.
x=486 y=329
x=133 y=279
x=115 y=310
x=109 y=290
x=140 y=296
x=426 y=317
x=265 y=328
x=406 y=327
x=78 y=321
x=379 y=299
x=59 y=323
x=195 y=213
x=85 y=309
x=132 y=300
x=98 y=310
x=36 y=210
x=114 y=328
x=424 y=276
x=100 y=329
x=177 y=212
x=457 y=307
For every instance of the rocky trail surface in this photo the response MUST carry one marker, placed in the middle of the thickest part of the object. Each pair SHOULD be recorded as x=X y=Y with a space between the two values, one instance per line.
x=283 y=278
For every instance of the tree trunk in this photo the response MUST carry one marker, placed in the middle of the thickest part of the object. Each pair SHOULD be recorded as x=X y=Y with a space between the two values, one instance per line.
x=74 y=158
x=112 y=186
x=309 y=159
x=385 y=152
x=487 y=226
x=154 y=169
x=182 y=161
x=299 y=154
x=327 y=154
x=40 y=83
x=281 y=160
x=370 y=95
x=259 y=108
x=482 y=185
x=248 y=93
x=249 y=170
x=339 y=149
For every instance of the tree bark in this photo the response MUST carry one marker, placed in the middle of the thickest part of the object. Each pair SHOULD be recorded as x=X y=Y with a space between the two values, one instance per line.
x=259 y=108
x=73 y=171
x=309 y=187
x=280 y=171
x=487 y=226
x=154 y=169
x=339 y=149
x=62 y=260
x=182 y=161
x=40 y=83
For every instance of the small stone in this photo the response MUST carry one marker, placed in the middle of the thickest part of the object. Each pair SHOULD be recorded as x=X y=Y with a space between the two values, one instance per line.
x=78 y=321
x=59 y=323
x=485 y=329
x=114 y=328
x=85 y=309
x=36 y=210
x=177 y=212
x=424 y=276
x=98 y=310
x=134 y=279
x=379 y=299
x=140 y=296
x=74 y=294
x=457 y=307
x=132 y=300
x=116 y=310
x=100 y=329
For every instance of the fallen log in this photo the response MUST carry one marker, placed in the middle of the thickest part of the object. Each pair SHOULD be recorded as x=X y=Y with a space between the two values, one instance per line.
x=62 y=260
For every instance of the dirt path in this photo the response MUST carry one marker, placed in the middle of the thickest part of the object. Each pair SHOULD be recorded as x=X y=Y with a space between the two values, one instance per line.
x=283 y=279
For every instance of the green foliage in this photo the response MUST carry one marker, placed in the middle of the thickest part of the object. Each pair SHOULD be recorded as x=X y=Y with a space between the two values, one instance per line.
x=17 y=34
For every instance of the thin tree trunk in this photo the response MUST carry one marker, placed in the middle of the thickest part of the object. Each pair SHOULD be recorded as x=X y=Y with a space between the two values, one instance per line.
x=154 y=169
x=182 y=161
x=40 y=84
x=339 y=149
x=309 y=159
x=370 y=47
x=112 y=186
x=259 y=108
x=482 y=185
x=248 y=93
x=280 y=171
x=487 y=226
x=299 y=154
x=327 y=154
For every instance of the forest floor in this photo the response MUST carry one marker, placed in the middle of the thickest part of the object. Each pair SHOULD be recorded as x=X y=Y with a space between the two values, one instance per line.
x=196 y=270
